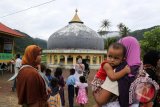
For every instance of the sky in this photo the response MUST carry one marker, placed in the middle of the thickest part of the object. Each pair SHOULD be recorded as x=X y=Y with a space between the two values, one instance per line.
x=43 y=21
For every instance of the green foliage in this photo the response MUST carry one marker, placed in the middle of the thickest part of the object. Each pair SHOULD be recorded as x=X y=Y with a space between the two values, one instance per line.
x=22 y=43
x=120 y=26
x=139 y=33
x=151 y=40
x=109 y=41
x=123 y=30
x=104 y=26
x=40 y=42
x=44 y=59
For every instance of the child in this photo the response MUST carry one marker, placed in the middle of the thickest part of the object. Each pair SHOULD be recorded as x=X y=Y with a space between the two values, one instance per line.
x=48 y=75
x=61 y=83
x=42 y=73
x=82 y=92
x=54 y=99
x=41 y=70
x=115 y=57
x=70 y=83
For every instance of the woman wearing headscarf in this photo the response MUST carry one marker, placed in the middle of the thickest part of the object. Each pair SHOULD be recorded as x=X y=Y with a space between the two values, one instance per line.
x=31 y=88
x=133 y=60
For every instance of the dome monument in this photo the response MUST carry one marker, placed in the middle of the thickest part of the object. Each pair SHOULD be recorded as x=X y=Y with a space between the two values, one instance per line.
x=73 y=41
x=76 y=35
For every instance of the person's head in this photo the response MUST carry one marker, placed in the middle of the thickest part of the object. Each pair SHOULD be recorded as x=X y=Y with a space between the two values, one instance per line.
x=82 y=79
x=18 y=56
x=79 y=61
x=116 y=54
x=32 y=56
x=84 y=61
x=132 y=50
x=72 y=71
x=58 y=72
x=54 y=82
x=43 y=67
x=151 y=58
x=48 y=72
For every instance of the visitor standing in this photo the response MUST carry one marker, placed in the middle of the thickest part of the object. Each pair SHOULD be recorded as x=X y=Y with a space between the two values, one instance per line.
x=79 y=69
x=82 y=97
x=31 y=89
x=18 y=63
x=70 y=83
x=61 y=83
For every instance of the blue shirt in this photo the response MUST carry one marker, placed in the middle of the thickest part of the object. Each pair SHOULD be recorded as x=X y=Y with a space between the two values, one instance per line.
x=71 y=80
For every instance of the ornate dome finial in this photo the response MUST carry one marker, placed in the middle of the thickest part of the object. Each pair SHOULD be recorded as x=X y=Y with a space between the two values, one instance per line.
x=76 y=10
x=76 y=19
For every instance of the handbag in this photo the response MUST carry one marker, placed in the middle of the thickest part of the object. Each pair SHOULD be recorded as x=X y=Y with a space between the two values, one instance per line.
x=143 y=89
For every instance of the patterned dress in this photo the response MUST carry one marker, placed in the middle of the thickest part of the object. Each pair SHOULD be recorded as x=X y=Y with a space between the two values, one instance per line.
x=82 y=94
x=55 y=101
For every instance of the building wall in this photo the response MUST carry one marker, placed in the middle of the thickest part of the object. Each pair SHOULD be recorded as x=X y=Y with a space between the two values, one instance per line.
x=6 y=48
x=68 y=60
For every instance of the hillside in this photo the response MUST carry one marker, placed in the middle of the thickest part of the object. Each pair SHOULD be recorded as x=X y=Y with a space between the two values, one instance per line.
x=22 y=43
x=139 y=33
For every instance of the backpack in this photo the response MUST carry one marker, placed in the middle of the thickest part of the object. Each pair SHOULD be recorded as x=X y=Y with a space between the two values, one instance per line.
x=143 y=89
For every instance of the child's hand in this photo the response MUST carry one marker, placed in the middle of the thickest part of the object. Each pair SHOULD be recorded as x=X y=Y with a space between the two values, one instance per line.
x=49 y=91
x=127 y=69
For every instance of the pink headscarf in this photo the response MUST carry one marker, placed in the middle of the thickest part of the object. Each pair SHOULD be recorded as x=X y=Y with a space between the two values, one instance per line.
x=133 y=50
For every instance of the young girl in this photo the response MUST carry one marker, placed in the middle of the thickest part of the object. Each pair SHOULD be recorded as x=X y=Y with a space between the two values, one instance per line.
x=82 y=92
x=54 y=99
x=61 y=83
x=115 y=57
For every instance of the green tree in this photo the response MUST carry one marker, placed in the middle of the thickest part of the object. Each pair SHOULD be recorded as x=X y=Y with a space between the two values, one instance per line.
x=123 y=30
x=151 y=40
x=120 y=26
x=109 y=41
x=104 y=26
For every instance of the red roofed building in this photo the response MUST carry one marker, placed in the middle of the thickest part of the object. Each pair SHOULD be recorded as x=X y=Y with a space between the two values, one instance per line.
x=7 y=36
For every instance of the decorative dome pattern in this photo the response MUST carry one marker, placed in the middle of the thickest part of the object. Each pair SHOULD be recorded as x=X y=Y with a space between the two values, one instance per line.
x=75 y=36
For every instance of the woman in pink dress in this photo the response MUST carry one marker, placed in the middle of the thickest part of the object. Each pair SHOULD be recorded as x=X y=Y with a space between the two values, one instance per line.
x=82 y=98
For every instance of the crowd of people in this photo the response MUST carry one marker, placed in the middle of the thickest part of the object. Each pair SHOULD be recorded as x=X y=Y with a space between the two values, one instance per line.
x=111 y=86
